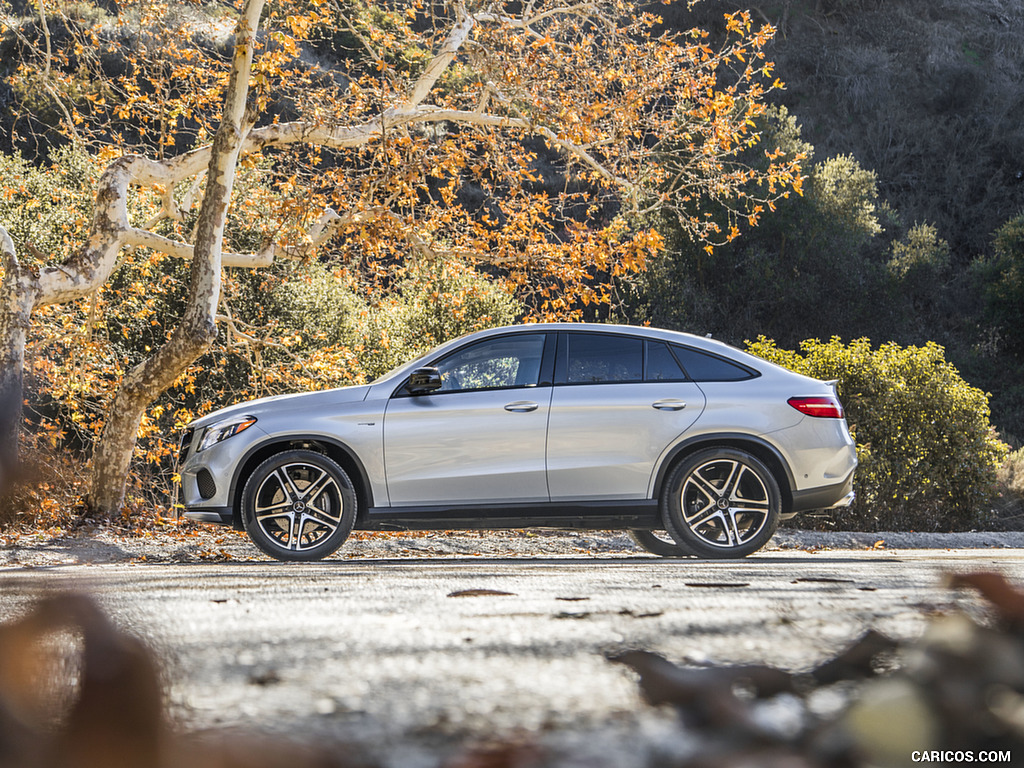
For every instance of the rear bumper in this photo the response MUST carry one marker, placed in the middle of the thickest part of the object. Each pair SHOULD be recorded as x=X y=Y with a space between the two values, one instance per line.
x=825 y=497
x=846 y=501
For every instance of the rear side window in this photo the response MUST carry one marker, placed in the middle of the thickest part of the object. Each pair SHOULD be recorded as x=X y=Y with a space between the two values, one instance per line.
x=662 y=364
x=597 y=358
x=704 y=367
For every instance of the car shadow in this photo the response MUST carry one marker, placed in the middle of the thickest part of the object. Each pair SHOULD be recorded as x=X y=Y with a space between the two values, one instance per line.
x=574 y=561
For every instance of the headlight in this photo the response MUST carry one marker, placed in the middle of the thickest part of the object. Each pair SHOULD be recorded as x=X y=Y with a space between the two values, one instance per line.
x=222 y=430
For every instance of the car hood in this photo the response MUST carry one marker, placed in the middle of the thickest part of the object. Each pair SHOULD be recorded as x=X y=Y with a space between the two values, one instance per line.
x=302 y=400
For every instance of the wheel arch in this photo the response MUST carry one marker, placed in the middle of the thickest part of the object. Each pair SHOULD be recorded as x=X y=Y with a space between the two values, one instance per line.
x=758 y=447
x=336 y=450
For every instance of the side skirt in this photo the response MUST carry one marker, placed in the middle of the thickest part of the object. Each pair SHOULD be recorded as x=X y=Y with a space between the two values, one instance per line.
x=592 y=515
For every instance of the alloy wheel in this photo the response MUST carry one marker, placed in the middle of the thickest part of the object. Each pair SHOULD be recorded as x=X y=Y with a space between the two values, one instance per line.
x=725 y=503
x=298 y=505
x=721 y=502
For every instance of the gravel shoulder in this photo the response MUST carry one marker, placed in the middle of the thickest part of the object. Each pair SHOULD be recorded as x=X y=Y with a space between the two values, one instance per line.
x=192 y=543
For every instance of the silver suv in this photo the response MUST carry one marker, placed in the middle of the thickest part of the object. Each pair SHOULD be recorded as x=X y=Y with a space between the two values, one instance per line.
x=696 y=448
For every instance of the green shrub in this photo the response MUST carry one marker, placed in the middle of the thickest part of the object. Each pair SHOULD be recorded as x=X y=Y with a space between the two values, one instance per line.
x=921 y=258
x=846 y=194
x=919 y=265
x=432 y=303
x=928 y=455
x=49 y=207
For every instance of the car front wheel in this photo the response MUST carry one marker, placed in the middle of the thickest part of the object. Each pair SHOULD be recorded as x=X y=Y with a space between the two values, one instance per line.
x=298 y=505
x=721 y=503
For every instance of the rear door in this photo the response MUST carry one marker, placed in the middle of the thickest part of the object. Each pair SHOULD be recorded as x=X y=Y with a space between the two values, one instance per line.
x=618 y=402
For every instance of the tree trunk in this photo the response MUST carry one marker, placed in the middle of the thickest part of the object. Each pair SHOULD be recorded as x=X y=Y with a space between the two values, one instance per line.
x=24 y=289
x=113 y=454
x=17 y=296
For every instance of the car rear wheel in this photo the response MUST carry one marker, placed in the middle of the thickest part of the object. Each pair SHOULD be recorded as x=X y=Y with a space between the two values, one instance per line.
x=721 y=503
x=298 y=505
x=659 y=543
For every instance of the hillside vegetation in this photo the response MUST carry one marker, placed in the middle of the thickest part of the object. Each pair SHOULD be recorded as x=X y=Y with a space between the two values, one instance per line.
x=926 y=94
x=907 y=228
x=911 y=228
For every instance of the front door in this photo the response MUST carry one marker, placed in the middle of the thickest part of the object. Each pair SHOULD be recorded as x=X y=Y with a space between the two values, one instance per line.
x=480 y=438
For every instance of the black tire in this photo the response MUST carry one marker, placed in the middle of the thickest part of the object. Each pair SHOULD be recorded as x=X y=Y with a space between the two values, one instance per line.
x=721 y=503
x=659 y=543
x=298 y=505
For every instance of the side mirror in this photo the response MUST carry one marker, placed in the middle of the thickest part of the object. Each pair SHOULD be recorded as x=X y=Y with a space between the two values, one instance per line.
x=423 y=381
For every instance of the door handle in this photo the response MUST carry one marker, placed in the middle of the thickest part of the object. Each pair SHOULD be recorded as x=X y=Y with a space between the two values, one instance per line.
x=521 y=406
x=669 y=405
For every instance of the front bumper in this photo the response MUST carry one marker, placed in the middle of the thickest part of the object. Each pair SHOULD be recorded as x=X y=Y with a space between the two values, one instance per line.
x=216 y=515
x=205 y=481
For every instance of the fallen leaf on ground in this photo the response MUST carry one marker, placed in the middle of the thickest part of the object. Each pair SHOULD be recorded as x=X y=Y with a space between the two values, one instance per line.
x=706 y=698
x=511 y=755
x=856 y=662
x=1004 y=597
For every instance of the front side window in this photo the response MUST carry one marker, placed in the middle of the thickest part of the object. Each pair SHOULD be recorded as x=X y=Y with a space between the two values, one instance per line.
x=598 y=358
x=508 y=361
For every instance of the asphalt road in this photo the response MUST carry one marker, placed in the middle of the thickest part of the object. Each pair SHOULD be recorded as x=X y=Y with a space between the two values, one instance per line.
x=389 y=655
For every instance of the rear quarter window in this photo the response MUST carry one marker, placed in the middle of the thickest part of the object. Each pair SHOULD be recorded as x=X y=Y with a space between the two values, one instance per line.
x=701 y=366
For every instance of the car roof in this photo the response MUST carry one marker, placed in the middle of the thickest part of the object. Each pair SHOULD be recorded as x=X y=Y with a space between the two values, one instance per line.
x=704 y=343
x=679 y=337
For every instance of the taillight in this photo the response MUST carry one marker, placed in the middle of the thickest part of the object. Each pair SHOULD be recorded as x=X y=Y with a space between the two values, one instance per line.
x=826 y=407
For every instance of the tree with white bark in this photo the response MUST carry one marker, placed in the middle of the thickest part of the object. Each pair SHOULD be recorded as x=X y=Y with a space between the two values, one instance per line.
x=639 y=120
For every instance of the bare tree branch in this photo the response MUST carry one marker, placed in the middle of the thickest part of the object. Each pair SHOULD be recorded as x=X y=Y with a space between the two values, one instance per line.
x=143 y=238
x=46 y=38
x=425 y=83
x=528 y=19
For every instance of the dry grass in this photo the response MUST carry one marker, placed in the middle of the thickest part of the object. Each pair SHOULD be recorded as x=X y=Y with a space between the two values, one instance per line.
x=1010 y=482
